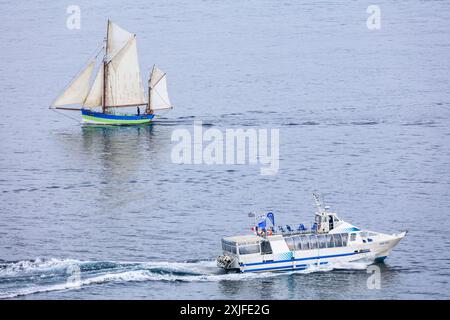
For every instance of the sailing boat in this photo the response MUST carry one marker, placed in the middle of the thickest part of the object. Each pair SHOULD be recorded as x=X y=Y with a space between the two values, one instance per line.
x=117 y=84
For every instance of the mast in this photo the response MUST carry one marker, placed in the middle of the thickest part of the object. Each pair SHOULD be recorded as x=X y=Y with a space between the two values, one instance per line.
x=105 y=71
x=122 y=82
x=149 y=103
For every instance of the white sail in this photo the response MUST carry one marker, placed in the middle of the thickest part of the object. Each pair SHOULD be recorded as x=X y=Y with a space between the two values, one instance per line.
x=123 y=80
x=159 y=97
x=78 y=90
x=117 y=39
x=123 y=76
x=95 y=96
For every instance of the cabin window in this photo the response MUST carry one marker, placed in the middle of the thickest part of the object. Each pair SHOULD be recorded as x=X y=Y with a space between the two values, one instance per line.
x=305 y=242
x=353 y=237
x=229 y=247
x=330 y=241
x=337 y=240
x=322 y=242
x=297 y=243
x=344 y=239
x=266 y=248
x=249 y=249
x=290 y=243
x=312 y=242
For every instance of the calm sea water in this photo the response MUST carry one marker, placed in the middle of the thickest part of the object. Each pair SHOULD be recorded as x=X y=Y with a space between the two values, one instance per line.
x=363 y=117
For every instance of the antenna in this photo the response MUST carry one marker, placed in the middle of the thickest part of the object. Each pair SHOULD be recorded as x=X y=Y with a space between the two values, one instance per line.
x=318 y=203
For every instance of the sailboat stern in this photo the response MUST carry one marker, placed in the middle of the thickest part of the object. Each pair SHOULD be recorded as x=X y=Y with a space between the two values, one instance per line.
x=98 y=118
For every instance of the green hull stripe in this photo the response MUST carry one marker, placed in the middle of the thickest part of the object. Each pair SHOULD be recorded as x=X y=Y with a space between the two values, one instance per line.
x=115 y=121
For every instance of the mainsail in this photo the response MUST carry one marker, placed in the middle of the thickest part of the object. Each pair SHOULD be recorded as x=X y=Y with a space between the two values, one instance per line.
x=157 y=86
x=78 y=90
x=123 y=76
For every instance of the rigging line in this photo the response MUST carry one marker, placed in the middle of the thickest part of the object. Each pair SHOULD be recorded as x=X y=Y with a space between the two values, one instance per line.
x=165 y=111
x=101 y=47
x=164 y=100
x=158 y=80
x=96 y=52
x=111 y=56
x=92 y=56
x=65 y=115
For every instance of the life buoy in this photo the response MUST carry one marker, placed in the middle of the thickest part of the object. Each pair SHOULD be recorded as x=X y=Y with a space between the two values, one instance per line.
x=269 y=232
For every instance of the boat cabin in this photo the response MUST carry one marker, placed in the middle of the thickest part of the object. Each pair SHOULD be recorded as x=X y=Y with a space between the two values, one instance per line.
x=325 y=221
x=249 y=247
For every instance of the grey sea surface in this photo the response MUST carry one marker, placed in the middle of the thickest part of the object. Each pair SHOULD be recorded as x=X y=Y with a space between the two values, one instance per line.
x=363 y=118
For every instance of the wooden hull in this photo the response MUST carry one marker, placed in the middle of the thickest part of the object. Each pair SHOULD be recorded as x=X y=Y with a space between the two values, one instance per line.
x=98 y=118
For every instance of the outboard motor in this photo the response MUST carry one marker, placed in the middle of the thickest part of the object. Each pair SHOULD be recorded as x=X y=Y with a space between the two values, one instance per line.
x=225 y=262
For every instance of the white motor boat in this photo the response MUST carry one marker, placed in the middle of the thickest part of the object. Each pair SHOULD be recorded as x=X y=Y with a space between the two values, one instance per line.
x=330 y=240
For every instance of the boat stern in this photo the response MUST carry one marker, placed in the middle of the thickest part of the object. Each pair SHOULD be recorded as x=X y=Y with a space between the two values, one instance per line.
x=227 y=262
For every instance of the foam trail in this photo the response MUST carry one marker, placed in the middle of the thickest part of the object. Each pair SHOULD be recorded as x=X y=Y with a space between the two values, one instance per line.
x=136 y=276
x=35 y=275
x=37 y=265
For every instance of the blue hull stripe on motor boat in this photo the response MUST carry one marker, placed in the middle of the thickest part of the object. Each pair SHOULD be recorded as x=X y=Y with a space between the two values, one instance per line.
x=297 y=267
x=301 y=267
x=301 y=259
x=116 y=116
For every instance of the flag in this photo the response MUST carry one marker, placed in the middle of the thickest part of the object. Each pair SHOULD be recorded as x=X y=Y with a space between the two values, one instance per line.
x=262 y=224
x=271 y=217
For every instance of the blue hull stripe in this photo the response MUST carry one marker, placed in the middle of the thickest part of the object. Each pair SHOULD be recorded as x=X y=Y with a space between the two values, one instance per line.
x=277 y=268
x=115 y=116
x=301 y=259
x=297 y=267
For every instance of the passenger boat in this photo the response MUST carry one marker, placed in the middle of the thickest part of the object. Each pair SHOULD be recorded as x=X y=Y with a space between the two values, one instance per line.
x=117 y=84
x=330 y=240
